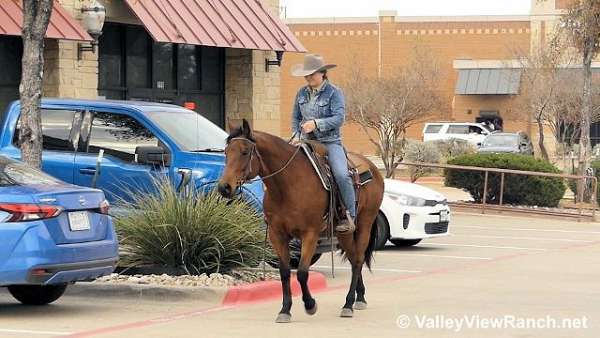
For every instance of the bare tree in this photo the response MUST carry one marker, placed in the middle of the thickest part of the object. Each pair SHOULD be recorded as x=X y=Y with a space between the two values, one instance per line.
x=389 y=105
x=582 y=25
x=36 y=16
x=541 y=83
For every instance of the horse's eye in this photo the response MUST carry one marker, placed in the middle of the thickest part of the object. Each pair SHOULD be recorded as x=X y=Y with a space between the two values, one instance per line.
x=245 y=152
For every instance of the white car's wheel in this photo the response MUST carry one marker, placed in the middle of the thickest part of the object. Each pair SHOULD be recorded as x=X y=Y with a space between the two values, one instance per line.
x=405 y=242
x=383 y=231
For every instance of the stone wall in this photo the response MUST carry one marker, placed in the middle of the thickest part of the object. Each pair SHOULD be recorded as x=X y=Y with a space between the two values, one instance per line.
x=65 y=75
x=250 y=91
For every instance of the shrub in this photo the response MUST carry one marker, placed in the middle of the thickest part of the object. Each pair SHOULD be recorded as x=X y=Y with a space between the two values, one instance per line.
x=417 y=151
x=192 y=233
x=451 y=148
x=518 y=189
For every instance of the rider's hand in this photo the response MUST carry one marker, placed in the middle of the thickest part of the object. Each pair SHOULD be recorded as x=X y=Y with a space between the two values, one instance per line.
x=309 y=126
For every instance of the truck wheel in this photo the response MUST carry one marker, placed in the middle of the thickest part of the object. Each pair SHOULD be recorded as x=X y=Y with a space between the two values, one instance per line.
x=37 y=294
x=383 y=231
x=405 y=242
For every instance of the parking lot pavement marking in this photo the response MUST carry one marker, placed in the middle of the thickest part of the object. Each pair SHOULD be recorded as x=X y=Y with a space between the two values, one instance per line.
x=529 y=238
x=437 y=256
x=45 y=333
x=485 y=246
x=528 y=229
x=374 y=269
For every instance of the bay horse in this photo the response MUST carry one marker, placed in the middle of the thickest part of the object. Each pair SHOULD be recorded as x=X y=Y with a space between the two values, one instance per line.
x=294 y=204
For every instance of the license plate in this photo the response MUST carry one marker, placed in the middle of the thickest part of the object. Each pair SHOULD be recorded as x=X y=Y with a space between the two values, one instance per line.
x=79 y=221
x=444 y=216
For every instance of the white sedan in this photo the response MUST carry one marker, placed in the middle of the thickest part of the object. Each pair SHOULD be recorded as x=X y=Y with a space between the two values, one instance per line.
x=409 y=213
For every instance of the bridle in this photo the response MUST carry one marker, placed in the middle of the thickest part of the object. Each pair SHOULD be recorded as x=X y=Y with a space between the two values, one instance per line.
x=248 y=166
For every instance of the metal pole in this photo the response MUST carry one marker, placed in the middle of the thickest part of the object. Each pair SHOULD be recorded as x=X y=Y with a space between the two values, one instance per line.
x=594 y=197
x=501 y=187
x=485 y=183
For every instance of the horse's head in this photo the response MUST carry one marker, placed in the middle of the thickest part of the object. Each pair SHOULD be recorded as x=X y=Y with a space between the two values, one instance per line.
x=241 y=159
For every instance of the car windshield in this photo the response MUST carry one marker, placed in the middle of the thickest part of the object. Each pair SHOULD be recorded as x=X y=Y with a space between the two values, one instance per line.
x=190 y=130
x=501 y=141
x=16 y=173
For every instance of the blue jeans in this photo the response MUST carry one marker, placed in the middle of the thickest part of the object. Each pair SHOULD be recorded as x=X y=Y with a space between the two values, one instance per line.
x=339 y=168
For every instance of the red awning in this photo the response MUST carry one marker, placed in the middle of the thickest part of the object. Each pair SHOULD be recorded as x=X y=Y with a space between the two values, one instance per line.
x=222 y=23
x=61 y=26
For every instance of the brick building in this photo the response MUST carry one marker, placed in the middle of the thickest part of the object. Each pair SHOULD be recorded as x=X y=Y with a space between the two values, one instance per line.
x=476 y=53
x=209 y=56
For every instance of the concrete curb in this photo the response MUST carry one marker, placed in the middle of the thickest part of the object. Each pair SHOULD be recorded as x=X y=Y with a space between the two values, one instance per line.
x=235 y=295
x=269 y=290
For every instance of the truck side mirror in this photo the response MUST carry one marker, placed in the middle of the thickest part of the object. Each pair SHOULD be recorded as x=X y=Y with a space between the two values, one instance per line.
x=152 y=155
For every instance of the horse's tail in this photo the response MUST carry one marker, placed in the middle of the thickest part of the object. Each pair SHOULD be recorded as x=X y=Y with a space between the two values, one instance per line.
x=371 y=247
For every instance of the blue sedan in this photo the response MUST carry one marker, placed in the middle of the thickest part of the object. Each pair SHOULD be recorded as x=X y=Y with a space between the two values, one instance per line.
x=53 y=234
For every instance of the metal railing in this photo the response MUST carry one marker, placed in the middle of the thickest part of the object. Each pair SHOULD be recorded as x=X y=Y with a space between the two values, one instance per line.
x=504 y=172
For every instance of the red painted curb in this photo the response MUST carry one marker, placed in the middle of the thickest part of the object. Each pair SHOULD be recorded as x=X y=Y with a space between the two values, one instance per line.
x=268 y=290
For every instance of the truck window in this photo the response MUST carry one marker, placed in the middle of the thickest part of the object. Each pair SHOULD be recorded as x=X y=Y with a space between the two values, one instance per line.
x=57 y=133
x=433 y=129
x=119 y=136
x=458 y=129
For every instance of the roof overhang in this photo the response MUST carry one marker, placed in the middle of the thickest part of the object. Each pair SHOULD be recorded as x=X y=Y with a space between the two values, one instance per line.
x=243 y=24
x=61 y=26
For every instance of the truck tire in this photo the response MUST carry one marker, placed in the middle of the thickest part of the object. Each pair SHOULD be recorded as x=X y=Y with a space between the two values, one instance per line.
x=402 y=243
x=37 y=294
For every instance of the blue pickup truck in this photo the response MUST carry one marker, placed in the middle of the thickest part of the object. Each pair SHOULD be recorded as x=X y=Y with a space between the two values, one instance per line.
x=139 y=141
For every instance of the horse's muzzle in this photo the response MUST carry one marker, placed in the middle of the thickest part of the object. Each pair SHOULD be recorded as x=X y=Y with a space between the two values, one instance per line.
x=225 y=190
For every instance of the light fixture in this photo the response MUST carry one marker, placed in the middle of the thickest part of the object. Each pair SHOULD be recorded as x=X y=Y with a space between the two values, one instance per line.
x=92 y=19
x=277 y=62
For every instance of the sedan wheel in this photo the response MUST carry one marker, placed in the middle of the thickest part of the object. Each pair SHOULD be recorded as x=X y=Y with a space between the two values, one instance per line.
x=405 y=242
x=37 y=294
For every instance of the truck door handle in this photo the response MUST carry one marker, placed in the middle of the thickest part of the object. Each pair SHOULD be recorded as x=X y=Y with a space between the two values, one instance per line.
x=87 y=171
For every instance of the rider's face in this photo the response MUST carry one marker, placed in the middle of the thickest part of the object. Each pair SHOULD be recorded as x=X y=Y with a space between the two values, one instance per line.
x=315 y=79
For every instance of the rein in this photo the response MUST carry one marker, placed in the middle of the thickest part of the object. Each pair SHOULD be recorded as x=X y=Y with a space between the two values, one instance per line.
x=248 y=166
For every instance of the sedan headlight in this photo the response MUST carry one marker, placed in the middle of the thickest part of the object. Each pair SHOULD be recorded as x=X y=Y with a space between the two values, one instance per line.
x=408 y=200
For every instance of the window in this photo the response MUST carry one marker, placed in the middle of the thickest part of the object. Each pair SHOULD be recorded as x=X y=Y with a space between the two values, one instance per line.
x=475 y=130
x=16 y=173
x=119 y=136
x=433 y=128
x=57 y=130
x=458 y=129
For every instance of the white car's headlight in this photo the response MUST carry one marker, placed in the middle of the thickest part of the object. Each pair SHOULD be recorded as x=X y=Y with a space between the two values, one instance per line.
x=408 y=200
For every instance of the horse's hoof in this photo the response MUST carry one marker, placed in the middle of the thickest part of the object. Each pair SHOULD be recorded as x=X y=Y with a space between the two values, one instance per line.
x=360 y=305
x=346 y=313
x=312 y=311
x=283 y=318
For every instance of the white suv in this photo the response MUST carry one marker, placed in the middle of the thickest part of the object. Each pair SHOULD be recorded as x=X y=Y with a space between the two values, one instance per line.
x=473 y=133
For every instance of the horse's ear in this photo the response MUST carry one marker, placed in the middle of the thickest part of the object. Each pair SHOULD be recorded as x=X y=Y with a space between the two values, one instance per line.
x=246 y=129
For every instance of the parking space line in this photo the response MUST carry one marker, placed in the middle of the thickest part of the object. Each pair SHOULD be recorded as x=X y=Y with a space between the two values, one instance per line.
x=529 y=238
x=46 y=333
x=484 y=246
x=374 y=269
x=437 y=256
x=527 y=229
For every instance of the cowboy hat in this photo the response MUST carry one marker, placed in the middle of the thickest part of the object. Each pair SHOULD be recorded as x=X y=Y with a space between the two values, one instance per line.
x=312 y=63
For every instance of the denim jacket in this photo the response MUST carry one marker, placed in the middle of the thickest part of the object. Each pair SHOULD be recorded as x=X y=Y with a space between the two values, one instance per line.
x=327 y=109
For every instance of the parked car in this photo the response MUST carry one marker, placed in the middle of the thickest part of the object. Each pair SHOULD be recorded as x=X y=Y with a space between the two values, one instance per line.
x=140 y=140
x=473 y=133
x=516 y=143
x=410 y=213
x=53 y=234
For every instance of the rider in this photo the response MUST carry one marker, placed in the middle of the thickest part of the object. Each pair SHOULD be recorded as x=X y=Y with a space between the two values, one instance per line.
x=318 y=114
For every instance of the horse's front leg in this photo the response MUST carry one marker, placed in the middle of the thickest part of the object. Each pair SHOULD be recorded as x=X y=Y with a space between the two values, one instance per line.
x=309 y=246
x=280 y=243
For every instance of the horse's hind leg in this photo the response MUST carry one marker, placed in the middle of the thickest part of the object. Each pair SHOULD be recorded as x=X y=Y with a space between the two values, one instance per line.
x=281 y=247
x=309 y=243
x=361 y=302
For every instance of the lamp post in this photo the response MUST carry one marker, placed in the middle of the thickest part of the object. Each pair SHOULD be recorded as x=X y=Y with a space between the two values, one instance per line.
x=92 y=20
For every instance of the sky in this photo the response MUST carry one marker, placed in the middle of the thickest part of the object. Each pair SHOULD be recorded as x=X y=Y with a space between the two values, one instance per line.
x=370 y=8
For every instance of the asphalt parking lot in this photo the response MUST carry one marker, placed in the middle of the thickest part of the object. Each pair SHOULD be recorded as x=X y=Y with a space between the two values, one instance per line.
x=499 y=276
